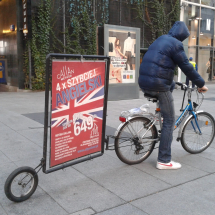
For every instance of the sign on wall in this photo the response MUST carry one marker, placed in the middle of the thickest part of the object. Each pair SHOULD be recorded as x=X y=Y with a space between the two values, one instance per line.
x=77 y=109
x=2 y=72
x=122 y=45
x=122 y=51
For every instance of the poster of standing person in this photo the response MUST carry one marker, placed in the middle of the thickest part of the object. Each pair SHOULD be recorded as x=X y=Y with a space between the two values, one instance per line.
x=122 y=45
x=122 y=52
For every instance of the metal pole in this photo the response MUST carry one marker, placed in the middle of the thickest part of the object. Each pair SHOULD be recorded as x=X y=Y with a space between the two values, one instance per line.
x=64 y=27
x=94 y=9
x=46 y=118
x=120 y=2
x=30 y=71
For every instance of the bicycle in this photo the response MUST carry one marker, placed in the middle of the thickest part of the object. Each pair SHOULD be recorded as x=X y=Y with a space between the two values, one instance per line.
x=137 y=134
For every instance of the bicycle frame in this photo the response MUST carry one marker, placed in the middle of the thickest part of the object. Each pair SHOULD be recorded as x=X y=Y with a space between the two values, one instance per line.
x=157 y=116
x=188 y=109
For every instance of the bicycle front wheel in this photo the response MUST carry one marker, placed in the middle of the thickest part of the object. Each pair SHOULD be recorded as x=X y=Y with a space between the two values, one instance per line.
x=130 y=146
x=192 y=140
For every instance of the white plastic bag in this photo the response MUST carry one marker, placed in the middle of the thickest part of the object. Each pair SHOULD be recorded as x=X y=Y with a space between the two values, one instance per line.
x=144 y=109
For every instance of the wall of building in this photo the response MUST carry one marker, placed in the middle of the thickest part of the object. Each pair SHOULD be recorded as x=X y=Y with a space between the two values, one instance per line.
x=200 y=45
x=115 y=12
x=8 y=16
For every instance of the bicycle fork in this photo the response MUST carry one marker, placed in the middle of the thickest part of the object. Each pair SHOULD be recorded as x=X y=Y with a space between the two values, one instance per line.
x=184 y=123
x=195 y=117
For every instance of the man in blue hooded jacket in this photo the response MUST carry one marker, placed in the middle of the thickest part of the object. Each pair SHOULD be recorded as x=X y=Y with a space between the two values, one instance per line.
x=156 y=78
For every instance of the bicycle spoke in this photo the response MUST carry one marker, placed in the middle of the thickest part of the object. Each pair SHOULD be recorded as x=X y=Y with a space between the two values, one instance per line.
x=133 y=149
x=204 y=138
x=192 y=133
x=195 y=142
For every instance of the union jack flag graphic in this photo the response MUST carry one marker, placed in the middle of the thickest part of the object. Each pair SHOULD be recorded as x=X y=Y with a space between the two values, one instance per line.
x=60 y=120
x=90 y=104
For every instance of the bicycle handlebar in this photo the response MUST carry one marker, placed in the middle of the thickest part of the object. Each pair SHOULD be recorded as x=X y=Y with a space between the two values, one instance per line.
x=185 y=87
x=189 y=90
x=179 y=83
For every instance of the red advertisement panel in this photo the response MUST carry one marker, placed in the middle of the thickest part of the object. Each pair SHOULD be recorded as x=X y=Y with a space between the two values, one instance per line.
x=77 y=109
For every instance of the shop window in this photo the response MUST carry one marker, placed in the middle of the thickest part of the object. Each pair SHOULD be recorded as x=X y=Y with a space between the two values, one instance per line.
x=206 y=64
x=1 y=46
x=191 y=52
x=208 y=2
x=206 y=37
x=192 y=19
x=195 y=1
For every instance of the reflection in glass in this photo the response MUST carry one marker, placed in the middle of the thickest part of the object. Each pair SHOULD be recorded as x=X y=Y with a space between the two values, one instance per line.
x=205 y=63
x=208 y=2
x=195 y=1
x=192 y=19
x=206 y=27
x=1 y=47
x=190 y=52
x=193 y=52
x=183 y=76
x=212 y=74
x=200 y=43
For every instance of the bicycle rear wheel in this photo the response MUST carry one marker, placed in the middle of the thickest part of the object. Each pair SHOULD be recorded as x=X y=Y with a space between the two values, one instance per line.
x=128 y=146
x=191 y=139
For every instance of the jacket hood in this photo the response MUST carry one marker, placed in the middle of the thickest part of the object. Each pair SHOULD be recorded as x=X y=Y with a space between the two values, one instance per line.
x=179 y=30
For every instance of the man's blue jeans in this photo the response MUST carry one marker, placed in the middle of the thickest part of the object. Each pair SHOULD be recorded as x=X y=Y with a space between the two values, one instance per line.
x=166 y=103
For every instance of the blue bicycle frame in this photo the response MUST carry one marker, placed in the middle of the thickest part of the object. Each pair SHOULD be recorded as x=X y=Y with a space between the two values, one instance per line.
x=188 y=109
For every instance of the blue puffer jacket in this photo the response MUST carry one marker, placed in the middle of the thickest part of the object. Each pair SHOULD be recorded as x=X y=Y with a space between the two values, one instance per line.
x=159 y=62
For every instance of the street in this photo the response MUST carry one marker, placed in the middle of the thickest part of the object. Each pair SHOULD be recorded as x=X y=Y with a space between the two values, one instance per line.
x=104 y=185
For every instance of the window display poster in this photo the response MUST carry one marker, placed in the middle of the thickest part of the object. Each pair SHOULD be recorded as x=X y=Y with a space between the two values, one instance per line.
x=2 y=72
x=122 y=51
x=77 y=109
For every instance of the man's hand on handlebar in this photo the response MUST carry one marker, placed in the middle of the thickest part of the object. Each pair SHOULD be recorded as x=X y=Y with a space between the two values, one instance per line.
x=203 y=89
x=200 y=90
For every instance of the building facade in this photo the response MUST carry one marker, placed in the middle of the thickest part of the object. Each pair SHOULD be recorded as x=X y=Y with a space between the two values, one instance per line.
x=12 y=21
x=199 y=16
x=10 y=38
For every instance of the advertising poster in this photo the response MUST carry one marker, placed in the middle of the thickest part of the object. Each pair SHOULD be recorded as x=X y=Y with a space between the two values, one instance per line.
x=122 y=46
x=2 y=72
x=77 y=109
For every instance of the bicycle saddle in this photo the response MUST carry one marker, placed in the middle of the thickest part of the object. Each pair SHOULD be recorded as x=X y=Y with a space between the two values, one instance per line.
x=150 y=97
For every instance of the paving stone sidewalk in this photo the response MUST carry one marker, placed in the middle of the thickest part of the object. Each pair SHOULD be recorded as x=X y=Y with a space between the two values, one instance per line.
x=105 y=185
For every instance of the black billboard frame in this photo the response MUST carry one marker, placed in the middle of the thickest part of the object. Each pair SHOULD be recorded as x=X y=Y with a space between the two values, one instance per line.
x=82 y=58
x=31 y=174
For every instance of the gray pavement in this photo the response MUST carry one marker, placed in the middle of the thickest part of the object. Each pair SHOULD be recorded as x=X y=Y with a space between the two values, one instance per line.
x=105 y=185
